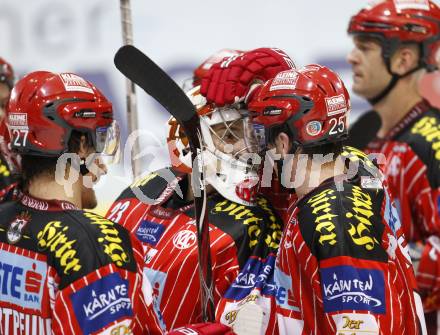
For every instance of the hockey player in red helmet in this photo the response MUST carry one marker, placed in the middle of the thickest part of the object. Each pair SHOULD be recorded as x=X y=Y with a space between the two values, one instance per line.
x=244 y=230
x=342 y=257
x=70 y=271
x=395 y=43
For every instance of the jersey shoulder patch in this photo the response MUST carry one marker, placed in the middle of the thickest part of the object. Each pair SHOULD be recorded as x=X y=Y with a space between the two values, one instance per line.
x=423 y=137
x=343 y=223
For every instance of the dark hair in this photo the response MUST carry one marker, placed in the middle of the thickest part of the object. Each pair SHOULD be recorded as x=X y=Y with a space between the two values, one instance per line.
x=33 y=166
x=332 y=147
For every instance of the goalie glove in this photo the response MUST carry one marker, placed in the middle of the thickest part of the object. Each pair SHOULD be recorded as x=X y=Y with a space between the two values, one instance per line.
x=203 y=329
x=229 y=80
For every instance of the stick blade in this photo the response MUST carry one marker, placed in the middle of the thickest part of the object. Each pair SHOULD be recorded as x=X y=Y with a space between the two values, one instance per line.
x=141 y=70
x=364 y=130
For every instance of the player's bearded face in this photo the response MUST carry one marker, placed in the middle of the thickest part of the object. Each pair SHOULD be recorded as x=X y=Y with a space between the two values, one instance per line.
x=370 y=75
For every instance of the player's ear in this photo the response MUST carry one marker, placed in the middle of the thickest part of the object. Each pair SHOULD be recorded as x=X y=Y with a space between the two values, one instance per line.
x=282 y=144
x=405 y=59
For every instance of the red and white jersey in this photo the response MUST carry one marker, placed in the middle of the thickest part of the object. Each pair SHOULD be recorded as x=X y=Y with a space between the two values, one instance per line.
x=167 y=231
x=346 y=264
x=65 y=271
x=412 y=169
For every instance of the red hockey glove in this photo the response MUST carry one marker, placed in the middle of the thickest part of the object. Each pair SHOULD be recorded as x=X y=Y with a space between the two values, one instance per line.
x=228 y=81
x=203 y=329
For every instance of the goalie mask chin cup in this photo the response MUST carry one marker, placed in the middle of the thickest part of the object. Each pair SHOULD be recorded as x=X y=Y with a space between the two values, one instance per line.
x=229 y=150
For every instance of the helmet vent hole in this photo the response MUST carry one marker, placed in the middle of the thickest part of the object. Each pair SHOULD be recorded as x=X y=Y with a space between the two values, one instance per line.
x=322 y=89
x=51 y=118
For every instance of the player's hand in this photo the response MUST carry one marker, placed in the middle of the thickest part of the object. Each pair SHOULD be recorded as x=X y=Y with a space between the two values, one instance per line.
x=203 y=329
x=229 y=80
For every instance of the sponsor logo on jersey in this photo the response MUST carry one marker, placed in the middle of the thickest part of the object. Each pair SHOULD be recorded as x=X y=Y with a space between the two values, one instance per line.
x=256 y=273
x=361 y=227
x=429 y=129
x=157 y=280
x=350 y=288
x=101 y=302
x=336 y=105
x=246 y=216
x=18 y=120
x=72 y=82
x=21 y=280
x=53 y=238
x=284 y=81
x=14 y=322
x=184 y=239
x=321 y=207
x=110 y=240
x=16 y=227
x=351 y=323
x=149 y=232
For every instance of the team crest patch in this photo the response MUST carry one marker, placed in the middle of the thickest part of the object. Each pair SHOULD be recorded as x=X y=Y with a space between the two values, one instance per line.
x=313 y=128
x=16 y=227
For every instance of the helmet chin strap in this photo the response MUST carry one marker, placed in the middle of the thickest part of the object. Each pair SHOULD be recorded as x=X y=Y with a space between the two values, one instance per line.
x=392 y=83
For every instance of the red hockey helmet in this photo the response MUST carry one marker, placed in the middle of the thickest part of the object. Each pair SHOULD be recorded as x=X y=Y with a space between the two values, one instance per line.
x=6 y=73
x=46 y=107
x=395 y=22
x=312 y=103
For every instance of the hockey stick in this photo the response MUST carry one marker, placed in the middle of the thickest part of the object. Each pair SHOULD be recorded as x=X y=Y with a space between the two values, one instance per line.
x=154 y=81
x=364 y=130
x=132 y=117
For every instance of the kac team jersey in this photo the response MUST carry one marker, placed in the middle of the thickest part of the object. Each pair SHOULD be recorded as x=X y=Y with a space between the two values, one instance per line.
x=412 y=169
x=244 y=241
x=66 y=271
x=345 y=261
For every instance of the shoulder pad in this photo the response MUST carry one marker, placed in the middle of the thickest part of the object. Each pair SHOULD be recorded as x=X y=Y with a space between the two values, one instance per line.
x=423 y=137
x=80 y=242
x=343 y=223
x=155 y=188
